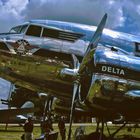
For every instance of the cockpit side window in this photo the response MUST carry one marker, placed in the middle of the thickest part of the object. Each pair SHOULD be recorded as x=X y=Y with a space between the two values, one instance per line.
x=34 y=30
x=16 y=29
x=23 y=28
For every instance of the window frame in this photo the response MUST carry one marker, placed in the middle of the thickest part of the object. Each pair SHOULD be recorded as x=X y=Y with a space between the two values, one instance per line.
x=63 y=35
x=34 y=35
x=49 y=36
x=18 y=31
x=27 y=25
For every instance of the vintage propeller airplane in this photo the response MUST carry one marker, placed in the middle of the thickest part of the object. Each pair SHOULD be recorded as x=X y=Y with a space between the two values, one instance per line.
x=86 y=70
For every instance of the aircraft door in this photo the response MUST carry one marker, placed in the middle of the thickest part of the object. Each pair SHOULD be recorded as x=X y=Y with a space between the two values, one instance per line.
x=33 y=35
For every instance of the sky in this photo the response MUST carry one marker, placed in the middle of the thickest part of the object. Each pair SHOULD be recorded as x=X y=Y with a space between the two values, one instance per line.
x=123 y=15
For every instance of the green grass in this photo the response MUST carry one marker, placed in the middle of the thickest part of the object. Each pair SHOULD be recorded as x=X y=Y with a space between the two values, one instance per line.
x=15 y=132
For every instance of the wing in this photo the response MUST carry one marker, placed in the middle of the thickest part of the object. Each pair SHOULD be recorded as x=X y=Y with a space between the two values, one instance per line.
x=4 y=114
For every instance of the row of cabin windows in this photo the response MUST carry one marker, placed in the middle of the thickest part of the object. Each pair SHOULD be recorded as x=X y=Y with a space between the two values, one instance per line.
x=36 y=31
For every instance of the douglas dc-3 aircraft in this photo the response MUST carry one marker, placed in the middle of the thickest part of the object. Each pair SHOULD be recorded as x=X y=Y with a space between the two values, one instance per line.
x=85 y=69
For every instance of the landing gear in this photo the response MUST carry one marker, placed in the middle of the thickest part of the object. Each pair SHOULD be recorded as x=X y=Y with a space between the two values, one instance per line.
x=114 y=133
x=46 y=122
x=99 y=133
x=96 y=136
x=47 y=107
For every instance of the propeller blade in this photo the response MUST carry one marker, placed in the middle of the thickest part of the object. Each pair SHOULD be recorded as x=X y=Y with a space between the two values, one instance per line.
x=75 y=89
x=87 y=57
x=93 y=44
x=75 y=62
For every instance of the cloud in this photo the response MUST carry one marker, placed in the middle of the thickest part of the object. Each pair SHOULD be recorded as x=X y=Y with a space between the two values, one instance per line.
x=11 y=13
x=83 y=11
x=132 y=13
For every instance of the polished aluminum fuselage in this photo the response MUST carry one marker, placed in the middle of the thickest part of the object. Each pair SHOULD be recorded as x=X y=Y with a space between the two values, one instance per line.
x=70 y=30
x=113 y=84
x=35 y=73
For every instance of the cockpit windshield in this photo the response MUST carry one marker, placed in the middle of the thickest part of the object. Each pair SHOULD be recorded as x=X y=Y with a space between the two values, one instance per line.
x=18 y=29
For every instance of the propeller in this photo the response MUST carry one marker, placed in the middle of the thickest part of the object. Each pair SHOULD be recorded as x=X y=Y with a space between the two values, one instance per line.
x=93 y=44
x=80 y=68
x=75 y=62
x=75 y=89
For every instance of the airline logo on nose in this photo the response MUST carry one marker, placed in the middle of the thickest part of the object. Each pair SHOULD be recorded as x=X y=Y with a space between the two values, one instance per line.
x=113 y=70
x=22 y=46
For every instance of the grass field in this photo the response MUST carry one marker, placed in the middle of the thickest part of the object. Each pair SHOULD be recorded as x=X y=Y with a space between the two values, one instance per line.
x=15 y=132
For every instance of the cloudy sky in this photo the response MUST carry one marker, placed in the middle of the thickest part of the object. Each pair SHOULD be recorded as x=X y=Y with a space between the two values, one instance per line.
x=123 y=15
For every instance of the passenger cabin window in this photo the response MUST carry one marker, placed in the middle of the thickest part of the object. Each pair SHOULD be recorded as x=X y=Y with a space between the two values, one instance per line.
x=50 y=33
x=61 y=34
x=34 y=30
x=137 y=49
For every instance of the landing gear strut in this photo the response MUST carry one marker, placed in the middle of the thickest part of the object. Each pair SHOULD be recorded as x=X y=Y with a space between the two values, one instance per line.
x=47 y=108
x=99 y=133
